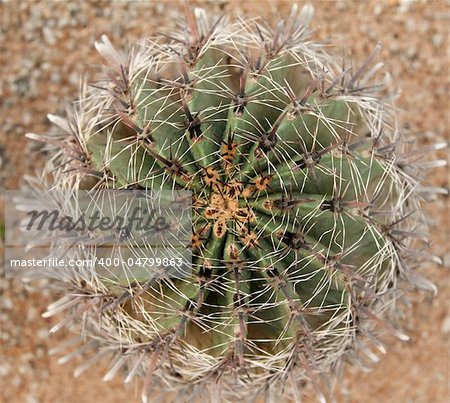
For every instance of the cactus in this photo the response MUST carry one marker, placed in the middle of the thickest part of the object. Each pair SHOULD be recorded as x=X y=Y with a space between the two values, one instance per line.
x=304 y=231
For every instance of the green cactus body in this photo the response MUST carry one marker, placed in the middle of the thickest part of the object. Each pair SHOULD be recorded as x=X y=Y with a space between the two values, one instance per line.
x=296 y=199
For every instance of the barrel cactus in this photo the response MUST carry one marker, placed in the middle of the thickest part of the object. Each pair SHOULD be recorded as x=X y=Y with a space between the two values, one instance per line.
x=304 y=209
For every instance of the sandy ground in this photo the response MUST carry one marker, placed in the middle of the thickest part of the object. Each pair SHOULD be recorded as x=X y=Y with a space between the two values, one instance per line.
x=46 y=46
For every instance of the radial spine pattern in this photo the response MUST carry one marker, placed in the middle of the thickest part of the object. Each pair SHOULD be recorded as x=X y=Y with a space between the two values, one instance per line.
x=302 y=208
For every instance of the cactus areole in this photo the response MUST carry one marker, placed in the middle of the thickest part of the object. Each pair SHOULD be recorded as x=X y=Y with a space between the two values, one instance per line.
x=302 y=209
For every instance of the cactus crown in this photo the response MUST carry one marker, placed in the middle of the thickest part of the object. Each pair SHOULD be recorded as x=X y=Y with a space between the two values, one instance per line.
x=301 y=205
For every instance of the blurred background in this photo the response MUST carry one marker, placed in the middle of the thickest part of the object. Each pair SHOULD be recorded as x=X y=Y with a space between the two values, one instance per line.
x=46 y=46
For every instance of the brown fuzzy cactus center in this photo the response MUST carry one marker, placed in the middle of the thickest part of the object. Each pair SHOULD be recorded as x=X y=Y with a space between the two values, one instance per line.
x=223 y=210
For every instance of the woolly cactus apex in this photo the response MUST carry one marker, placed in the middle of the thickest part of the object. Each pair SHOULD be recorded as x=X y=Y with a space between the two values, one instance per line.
x=304 y=209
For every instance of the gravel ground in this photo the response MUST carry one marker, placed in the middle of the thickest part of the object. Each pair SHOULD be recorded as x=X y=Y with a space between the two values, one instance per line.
x=46 y=46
